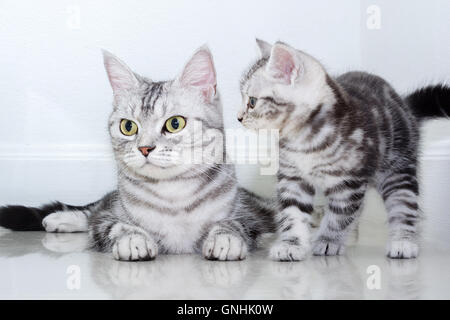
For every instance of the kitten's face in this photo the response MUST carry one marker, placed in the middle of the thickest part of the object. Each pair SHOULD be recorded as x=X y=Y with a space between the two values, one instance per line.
x=163 y=129
x=281 y=89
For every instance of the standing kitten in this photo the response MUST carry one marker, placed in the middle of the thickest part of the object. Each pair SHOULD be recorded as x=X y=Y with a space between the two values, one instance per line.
x=165 y=202
x=340 y=135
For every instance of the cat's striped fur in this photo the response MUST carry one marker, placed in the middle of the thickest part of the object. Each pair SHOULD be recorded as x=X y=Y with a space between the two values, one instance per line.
x=165 y=202
x=341 y=135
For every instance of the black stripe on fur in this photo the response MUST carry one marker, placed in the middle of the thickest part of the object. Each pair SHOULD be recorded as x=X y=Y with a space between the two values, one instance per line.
x=21 y=218
x=430 y=102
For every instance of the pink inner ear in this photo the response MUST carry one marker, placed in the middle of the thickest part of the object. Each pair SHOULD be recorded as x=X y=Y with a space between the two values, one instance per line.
x=200 y=73
x=120 y=77
x=282 y=64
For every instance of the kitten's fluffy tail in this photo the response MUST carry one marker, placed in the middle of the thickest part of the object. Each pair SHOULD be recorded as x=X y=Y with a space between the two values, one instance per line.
x=21 y=218
x=430 y=102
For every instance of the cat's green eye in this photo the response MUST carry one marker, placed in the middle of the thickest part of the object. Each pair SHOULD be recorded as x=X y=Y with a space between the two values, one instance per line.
x=175 y=124
x=128 y=127
x=251 y=102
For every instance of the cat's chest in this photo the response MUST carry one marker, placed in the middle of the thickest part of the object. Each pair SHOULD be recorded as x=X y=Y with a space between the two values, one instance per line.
x=180 y=232
x=176 y=234
x=305 y=164
x=311 y=167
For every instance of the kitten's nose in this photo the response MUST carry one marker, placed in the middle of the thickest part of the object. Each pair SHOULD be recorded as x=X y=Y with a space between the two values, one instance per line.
x=146 y=150
x=240 y=119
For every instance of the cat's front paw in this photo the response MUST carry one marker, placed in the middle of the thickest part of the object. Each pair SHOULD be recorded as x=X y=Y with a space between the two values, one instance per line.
x=402 y=249
x=224 y=247
x=288 y=251
x=134 y=247
x=328 y=248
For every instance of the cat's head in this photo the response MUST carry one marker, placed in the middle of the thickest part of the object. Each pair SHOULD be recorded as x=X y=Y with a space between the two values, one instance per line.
x=281 y=89
x=158 y=128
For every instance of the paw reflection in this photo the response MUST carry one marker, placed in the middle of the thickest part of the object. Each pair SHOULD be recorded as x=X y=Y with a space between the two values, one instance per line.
x=404 y=279
x=170 y=277
x=65 y=242
x=224 y=274
x=338 y=278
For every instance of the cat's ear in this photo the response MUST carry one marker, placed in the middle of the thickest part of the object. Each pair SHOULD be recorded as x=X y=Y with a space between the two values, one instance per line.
x=264 y=48
x=120 y=76
x=200 y=73
x=284 y=63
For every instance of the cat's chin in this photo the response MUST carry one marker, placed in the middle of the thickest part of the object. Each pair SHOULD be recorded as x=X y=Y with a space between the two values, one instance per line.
x=160 y=172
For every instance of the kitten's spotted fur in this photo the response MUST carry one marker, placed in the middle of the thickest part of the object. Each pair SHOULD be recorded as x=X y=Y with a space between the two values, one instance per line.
x=165 y=202
x=340 y=135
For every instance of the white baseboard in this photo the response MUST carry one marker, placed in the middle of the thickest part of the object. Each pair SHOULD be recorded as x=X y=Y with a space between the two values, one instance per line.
x=96 y=152
x=436 y=151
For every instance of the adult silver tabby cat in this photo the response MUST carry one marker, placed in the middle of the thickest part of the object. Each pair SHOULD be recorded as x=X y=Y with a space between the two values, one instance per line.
x=340 y=135
x=175 y=193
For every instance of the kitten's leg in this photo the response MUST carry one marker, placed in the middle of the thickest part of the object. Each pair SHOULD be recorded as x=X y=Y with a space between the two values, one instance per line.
x=125 y=241
x=344 y=207
x=400 y=192
x=295 y=197
x=353 y=234
x=226 y=241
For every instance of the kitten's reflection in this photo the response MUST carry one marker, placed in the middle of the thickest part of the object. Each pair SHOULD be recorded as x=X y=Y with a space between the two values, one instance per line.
x=404 y=279
x=338 y=278
x=315 y=278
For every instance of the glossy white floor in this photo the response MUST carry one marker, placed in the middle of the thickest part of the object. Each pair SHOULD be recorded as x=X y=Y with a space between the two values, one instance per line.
x=38 y=265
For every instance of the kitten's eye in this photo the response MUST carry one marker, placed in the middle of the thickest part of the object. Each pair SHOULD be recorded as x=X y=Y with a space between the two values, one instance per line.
x=175 y=124
x=128 y=127
x=251 y=102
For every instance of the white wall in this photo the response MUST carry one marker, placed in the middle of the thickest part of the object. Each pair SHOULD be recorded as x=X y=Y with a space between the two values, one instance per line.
x=55 y=98
x=411 y=49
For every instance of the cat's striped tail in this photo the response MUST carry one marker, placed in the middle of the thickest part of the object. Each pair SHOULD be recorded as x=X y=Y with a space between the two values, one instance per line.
x=430 y=102
x=21 y=218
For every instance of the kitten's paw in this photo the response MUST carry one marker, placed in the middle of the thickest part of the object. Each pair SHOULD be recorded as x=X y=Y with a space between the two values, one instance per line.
x=224 y=247
x=402 y=249
x=65 y=221
x=134 y=247
x=286 y=251
x=328 y=248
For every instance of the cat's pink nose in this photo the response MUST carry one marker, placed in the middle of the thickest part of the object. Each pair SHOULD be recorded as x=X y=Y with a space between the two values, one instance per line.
x=146 y=150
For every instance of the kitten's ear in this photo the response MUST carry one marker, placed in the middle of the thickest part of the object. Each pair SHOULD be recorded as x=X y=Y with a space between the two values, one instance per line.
x=264 y=48
x=120 y=76
x=284 y=63
x=200 y=73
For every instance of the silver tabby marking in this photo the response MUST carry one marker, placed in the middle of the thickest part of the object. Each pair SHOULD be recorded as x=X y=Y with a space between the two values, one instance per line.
x=165 y=202
x=340 y=135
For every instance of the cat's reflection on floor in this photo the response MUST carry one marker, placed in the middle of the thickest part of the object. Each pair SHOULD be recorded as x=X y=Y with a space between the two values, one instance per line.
x=404 y=279
x=65 y=242
x=192 y=277
x=315 y=278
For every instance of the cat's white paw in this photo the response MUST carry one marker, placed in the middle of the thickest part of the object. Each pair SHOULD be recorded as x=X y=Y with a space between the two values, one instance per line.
x=402 y=249
x=328 y=248
x=286 y=251
x=65 y=221
x=134 y=247
x=224 y=247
